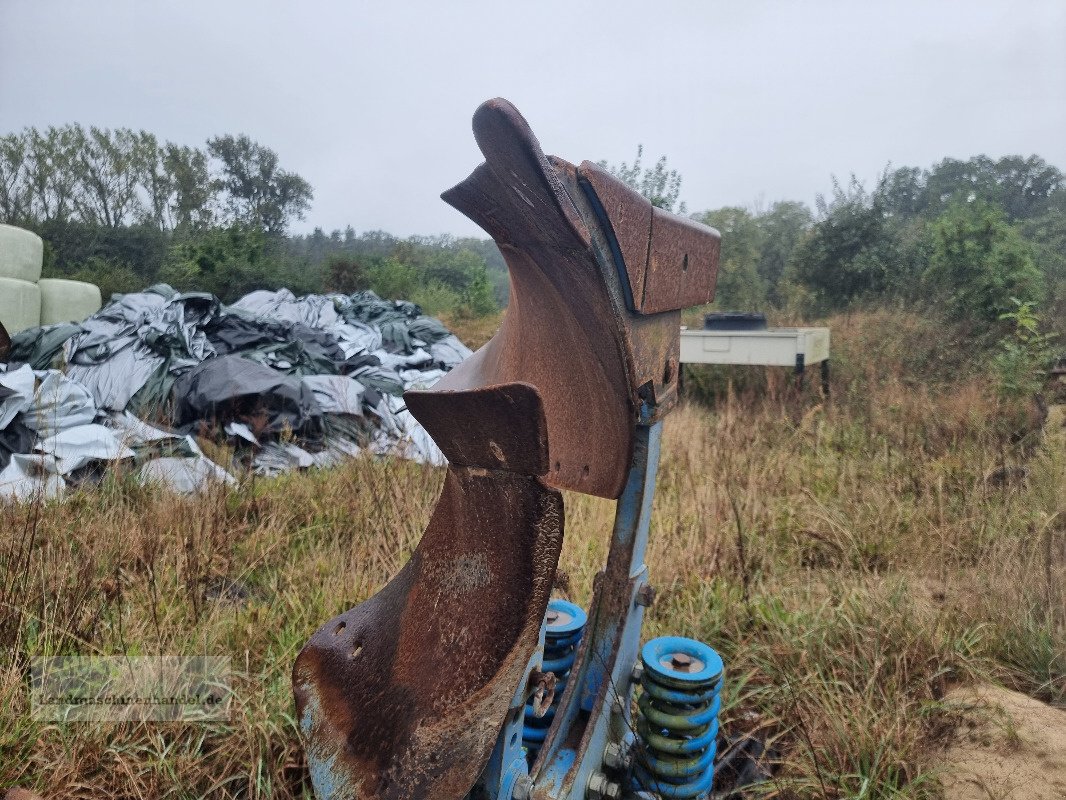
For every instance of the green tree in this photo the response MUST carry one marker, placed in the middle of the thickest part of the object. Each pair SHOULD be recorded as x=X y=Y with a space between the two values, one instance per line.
x=110 y=277
x=1047 y=235
x=782 y=227
x=740 y=286
x=180 y=190
x=660 y=185
x=848 y=254
x=903 y=191
x=980 y=265
x=110 y=167
x=478 y=298
x=1025 y=355
x=51 y=171
x=1021 y=187
x=232 y=261
x=260 y=193
x=346 y=274
x=15 y=198
x=394 y=280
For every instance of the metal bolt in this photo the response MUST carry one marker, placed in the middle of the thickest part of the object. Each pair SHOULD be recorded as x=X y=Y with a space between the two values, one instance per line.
x=603 y=788
x=637 y=673
x=680 y=661
x=523 y=788
x=645 y=595
x=618 y=756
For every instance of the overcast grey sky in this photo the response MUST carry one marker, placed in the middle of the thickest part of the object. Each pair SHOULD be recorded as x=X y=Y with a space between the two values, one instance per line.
x=751 y=100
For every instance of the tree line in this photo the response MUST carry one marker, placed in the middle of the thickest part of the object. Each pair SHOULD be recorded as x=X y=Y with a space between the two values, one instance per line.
x=123 y=209
x=121 y=178
x=970 y=238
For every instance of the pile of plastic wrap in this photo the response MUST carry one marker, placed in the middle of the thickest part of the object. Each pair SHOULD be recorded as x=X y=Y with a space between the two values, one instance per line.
x=287 y=382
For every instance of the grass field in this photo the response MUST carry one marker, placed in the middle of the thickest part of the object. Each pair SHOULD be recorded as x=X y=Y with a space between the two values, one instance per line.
x=851 y=559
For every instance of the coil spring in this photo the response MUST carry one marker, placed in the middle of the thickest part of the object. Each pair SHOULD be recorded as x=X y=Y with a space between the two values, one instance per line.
x=678 y=719
x=564 y=623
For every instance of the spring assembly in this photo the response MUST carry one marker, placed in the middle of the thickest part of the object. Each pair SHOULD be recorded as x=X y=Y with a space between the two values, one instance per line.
x=678 y=718
x=564 y=623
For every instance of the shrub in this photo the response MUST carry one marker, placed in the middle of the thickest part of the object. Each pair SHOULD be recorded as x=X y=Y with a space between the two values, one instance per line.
x=979 y=264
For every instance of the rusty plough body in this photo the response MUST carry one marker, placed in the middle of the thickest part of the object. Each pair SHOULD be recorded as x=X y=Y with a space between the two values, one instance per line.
x=458 y=679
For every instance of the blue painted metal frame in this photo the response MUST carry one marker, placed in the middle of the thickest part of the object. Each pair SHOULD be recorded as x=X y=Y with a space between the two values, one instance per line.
x=507 y=764
x=594 y=710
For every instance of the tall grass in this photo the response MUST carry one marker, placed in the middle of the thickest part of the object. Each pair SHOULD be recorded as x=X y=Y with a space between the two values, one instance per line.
x=851 y=559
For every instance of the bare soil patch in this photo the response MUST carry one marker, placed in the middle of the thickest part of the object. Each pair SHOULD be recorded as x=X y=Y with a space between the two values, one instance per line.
x=1009 y=747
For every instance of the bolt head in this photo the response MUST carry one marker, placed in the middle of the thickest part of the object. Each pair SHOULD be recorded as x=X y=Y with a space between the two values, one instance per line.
x=523 y=788
x=618 y=756
x=680 y=661
x=602 y=788
x=637 y=673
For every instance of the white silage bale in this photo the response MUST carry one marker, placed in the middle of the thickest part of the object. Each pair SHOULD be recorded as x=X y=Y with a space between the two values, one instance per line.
x=20 y=305
x=21 y=254
x=67 y=301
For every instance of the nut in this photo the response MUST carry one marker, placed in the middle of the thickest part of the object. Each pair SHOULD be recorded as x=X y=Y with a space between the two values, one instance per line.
x=618 y=756
x=637 y=673
x=603 y=788
x=645 y=595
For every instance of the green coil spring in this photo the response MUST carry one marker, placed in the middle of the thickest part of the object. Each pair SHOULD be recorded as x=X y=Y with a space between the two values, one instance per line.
x=678 y=718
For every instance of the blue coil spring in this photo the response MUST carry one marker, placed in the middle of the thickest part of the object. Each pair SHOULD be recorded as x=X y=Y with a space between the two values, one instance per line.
x=678 y=718
x=564 y=623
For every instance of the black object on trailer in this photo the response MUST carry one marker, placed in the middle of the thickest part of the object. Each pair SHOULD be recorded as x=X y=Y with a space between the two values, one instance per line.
x=734 y=321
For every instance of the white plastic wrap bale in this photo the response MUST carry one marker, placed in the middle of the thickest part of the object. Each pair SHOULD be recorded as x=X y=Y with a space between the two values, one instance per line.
x=134 y=432
x=356 y=338
x=67 y=301
x=401 y=435
x=111 y=356
x=20 y=304
x=114 y=381
x=21 y=254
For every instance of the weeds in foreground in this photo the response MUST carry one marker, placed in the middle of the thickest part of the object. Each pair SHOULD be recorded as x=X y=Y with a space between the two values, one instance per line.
x=851 y=560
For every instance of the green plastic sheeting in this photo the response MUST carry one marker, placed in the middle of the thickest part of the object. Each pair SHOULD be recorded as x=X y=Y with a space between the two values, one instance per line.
x=20 y=305
x=67 y=301
x=21 y=254
x=42 y=348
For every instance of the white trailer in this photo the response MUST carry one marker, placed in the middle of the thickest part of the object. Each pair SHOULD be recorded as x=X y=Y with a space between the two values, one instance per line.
x=772 y=347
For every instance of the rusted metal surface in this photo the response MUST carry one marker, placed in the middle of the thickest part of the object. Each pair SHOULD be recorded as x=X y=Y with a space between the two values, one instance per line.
x=496 y=428
x=562 y=332
x=682 y=263
x=543 y=692
x=670 y=262
x=568 y=330
x=403 y=696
